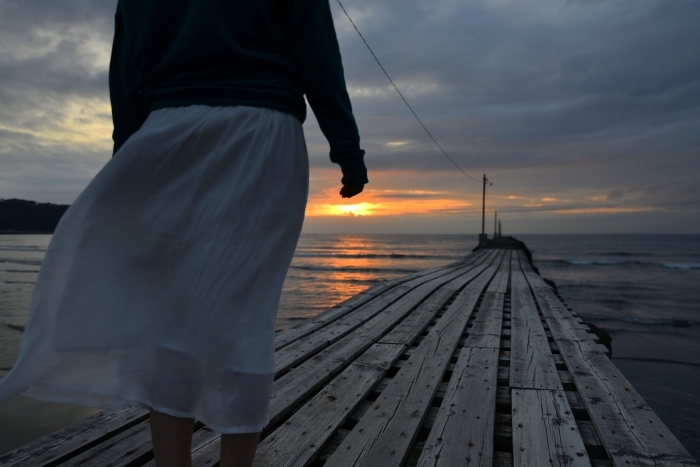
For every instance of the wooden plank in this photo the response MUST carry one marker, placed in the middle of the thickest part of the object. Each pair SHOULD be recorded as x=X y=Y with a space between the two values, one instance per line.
x=384 y=435
x=308 y=326
x=304 y=348
x=552 y=306
x=630 y=431
x=74 y=439
x=405 y=331
x=531 y=363
x=561 y=323
x=131 y=447
x=544 y=430
x=301 y=437
x=464 y=428
x=486 y=329
x=499 y=284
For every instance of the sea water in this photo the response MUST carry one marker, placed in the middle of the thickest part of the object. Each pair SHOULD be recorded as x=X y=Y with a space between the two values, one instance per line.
x=643 y=289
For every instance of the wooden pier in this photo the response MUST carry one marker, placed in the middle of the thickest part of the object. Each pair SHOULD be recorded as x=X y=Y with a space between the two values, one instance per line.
x=478 y=363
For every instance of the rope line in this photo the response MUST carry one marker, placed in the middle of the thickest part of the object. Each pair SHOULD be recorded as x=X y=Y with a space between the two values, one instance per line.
x=402 y=97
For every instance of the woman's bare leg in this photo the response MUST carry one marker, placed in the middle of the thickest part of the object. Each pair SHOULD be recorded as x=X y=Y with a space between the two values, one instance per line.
x=238 y=450
x=172 y=440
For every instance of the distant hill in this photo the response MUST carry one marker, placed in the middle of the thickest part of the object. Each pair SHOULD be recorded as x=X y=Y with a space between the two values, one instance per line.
x=22 y=216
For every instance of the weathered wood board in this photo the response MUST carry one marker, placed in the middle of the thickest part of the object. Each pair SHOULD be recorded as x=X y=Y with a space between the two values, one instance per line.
x=544 y=430
x=463 y=431
x=532 y=366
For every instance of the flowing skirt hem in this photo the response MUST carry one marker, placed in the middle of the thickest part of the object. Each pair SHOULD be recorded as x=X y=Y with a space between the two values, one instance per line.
x=118 y=402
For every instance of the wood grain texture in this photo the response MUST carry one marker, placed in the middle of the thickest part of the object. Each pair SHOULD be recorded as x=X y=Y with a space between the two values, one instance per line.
x=499 y=284
x=544 y=430
x=486 y=329
x=630 y=431
x=407 y=294
x=531 y=363
x=301 y=437
x=308 y=326
x=74 y=439
x=408 y=325
x=561 y=323
x=384 y=435
x=463 y=430
x=131 y=447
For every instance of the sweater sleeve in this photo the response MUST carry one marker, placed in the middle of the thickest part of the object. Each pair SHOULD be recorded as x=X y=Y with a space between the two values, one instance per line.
x=316 y=56
x=129 y=109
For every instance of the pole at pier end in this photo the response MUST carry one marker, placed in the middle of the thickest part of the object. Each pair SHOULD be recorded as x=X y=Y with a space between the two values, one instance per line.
x=483 y=238
x=495 y=224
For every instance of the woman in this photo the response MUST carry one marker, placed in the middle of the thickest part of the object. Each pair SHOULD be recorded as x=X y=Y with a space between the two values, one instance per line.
x=161 y=283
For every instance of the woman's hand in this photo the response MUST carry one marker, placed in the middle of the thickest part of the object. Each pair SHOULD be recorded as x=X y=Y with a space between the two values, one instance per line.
x=354 y=177
x=350 y=191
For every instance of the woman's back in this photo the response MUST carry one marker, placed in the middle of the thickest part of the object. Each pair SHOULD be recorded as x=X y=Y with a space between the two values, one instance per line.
x=227 y=52
x=263 y=53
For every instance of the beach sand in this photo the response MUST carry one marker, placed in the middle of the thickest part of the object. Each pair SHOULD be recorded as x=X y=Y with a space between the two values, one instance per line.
x=23 y=420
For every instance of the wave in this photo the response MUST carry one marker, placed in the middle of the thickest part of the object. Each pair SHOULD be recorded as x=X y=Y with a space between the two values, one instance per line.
x=32 y=271
x=676 y=323
x=372 y=255
x=657 y=360
x=351 y=269
x=622 y=254
x=616 y=287
x=684 y=266
x=585 y=262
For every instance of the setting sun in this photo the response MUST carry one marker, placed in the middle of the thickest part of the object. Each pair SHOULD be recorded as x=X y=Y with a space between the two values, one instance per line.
x=359 y=209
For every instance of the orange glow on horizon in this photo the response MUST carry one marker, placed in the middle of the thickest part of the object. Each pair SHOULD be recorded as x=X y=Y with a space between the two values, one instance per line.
x=384 y=203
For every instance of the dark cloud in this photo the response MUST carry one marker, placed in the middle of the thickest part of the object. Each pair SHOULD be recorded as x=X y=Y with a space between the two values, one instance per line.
x=541 y=72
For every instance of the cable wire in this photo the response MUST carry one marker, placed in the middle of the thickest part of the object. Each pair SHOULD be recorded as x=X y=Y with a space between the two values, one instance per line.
x=402 y=97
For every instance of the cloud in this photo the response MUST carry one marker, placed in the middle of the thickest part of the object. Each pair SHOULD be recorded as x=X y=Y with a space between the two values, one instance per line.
x=570 y=106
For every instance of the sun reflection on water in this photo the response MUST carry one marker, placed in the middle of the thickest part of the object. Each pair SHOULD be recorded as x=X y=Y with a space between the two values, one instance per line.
x=328 y=269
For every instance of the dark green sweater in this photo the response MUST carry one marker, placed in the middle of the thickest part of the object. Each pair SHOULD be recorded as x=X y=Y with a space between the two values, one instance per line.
x=263 y=53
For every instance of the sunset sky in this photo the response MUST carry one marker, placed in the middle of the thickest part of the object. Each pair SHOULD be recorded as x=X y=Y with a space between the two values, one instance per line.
x=585 y=114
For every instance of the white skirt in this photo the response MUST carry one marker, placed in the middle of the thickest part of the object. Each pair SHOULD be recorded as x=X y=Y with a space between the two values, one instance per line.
x=161 y=284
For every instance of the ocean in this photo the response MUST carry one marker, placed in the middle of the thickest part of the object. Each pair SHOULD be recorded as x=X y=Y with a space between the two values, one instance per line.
x=642 y=289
